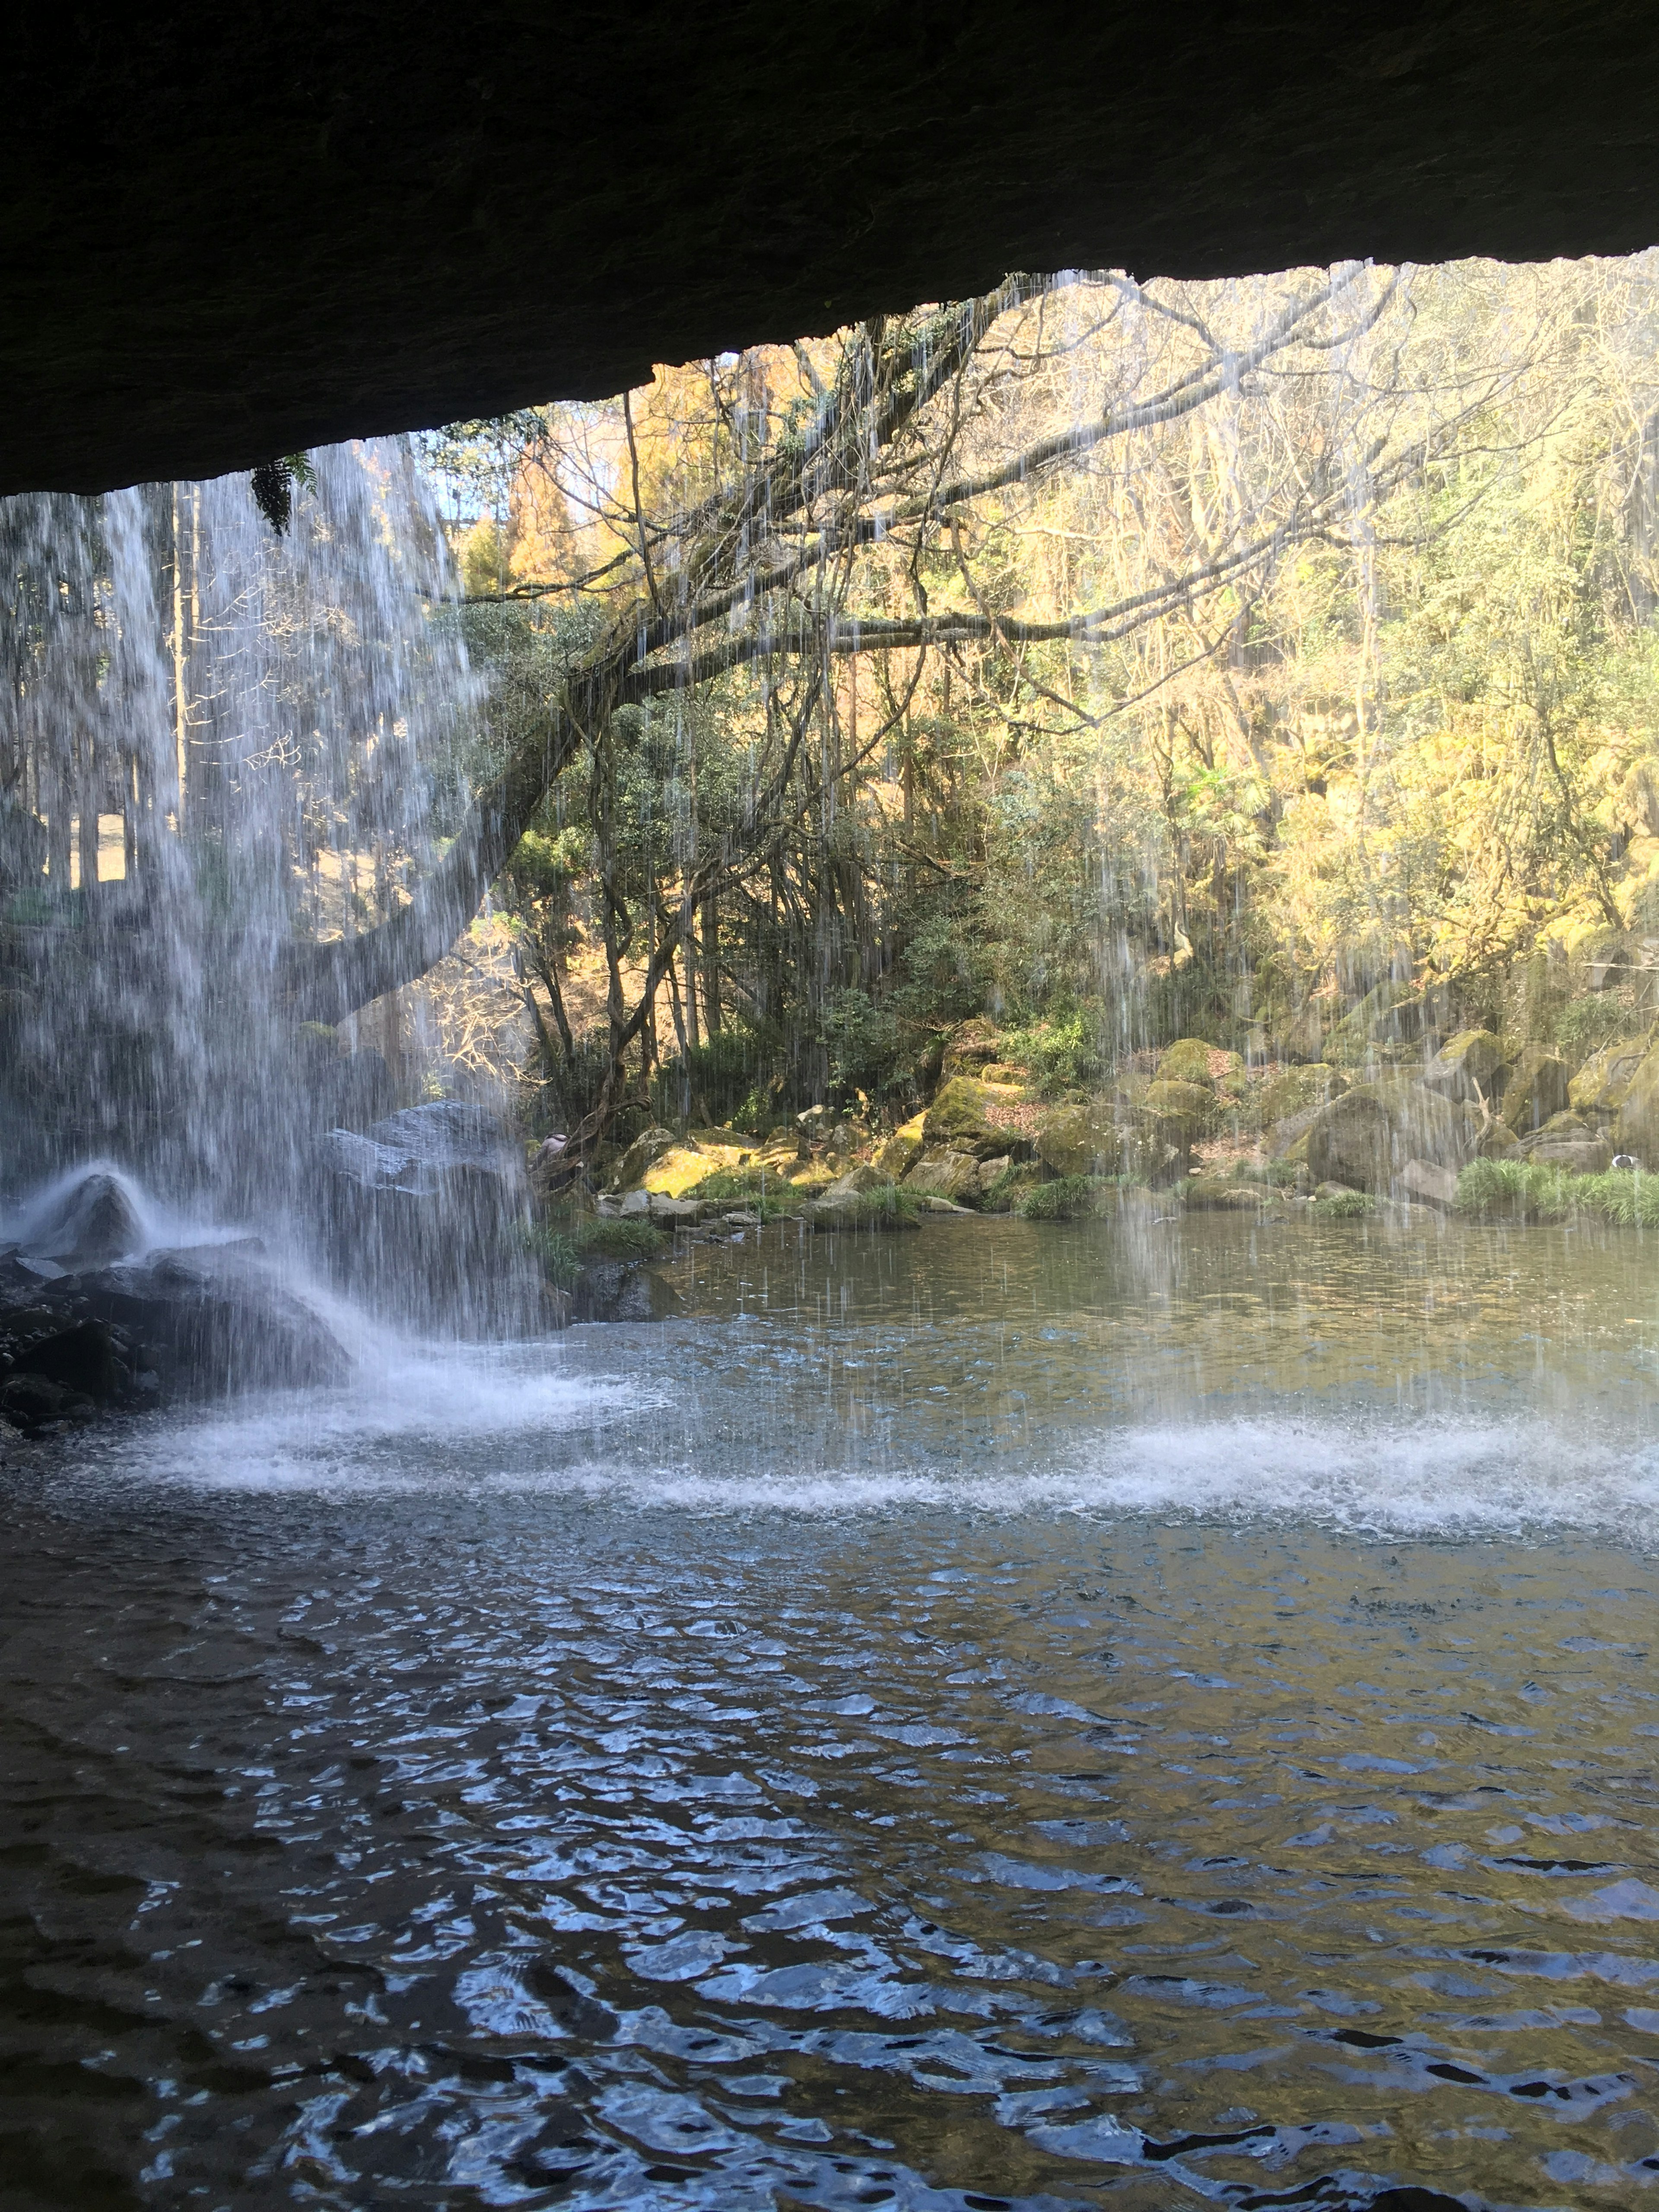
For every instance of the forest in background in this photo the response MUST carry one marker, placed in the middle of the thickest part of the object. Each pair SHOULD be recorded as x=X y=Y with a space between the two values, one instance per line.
x=1116 y=662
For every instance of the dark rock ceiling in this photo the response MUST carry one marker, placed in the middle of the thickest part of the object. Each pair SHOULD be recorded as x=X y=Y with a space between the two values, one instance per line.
x=230 y=231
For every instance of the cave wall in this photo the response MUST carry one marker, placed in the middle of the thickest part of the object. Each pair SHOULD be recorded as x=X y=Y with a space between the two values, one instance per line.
x=230 y=232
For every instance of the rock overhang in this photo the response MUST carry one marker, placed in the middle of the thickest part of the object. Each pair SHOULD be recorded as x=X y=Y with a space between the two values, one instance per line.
x=234 y=233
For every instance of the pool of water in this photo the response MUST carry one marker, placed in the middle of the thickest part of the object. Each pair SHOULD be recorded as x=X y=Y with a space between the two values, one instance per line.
x=1148 y=1714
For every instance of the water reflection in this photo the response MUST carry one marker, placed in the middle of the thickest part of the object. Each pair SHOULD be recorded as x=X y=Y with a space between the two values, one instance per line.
x=478 y=1790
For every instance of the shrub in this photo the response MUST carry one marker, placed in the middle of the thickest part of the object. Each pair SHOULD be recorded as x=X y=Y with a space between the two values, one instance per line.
x=1347 y=1206
x=725 y=1077
x=1584 y=1025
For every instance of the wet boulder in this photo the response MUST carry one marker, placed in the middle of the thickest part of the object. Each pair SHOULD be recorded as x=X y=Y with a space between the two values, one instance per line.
x=985 y=1119
x=425 y=1210
x=1428 y=1185
x=1469 y=1065
x=1085 y=1140
x=621 y=1291
x=213 y=1319
x=1537 y=1088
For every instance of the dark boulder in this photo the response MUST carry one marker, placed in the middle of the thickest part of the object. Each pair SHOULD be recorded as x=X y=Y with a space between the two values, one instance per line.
x=214 y=1318
x=424 y=1213
x=621 y=1290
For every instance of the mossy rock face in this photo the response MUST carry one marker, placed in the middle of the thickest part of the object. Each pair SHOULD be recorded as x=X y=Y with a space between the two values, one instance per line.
x=1470 y=1065
x=967 y=1117
x=1186 y=1060
x=1297 y=1089
x=1085 y=1140
x=1601 y=1084
x=1538 y=1087
x=855 y=1182
x=902 y=1149
x=1567 y=1141
x=1636 y=1130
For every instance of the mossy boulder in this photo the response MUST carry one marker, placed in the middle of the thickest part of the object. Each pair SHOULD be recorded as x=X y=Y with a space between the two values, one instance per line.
x=1601 y=1084
x=942 y=1172
x=642 y=1154
x=1186 y=1060
x=1209 y=1194
x=1183 y=1112
x=902 y=1149
x=1470 y=1065
x=971 y=1050
x=677 y=1171
x=981 y=1118
x=855 y=1182
x=1635 y=1128
x=1567 y=1141
x=1086 y=1140
x=1537 y=1088
x=1364 y=1138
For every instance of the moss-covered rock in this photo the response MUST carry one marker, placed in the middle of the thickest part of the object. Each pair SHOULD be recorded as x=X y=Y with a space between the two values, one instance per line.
x=1537 y=1088
x=1364 y=1138
x=1297 y=1089
x=688 y=1159
x=942 y=1172
x=1635 y=1128
x=1183 y=1112
x=1470 y=1065
x=1085 y=1140
x=1567 y=1141
x=1600 y=1088
x=902 y=1149
x=1186 y=1060
x=981 y=1118
x=1209 y=1194
x=640 y=1154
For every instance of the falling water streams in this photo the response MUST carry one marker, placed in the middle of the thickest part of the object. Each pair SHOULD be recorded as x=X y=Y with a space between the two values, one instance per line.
x=1138 y=1714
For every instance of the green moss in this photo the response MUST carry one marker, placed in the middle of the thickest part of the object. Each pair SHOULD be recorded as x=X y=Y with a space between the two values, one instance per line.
x=1350 y=1206
x=1532 y=1191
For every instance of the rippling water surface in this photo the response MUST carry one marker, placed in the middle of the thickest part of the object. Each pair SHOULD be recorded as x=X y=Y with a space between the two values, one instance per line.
x=1143 y=1716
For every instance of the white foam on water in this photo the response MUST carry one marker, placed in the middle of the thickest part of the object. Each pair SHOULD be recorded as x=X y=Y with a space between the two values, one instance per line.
x=415 y=1416
x=517 y=1419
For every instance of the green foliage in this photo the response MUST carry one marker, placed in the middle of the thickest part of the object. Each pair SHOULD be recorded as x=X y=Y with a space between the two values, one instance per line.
x=1068 y=1198
x=1062 y=1053
x=726 y=1081
x=1584 y=1025
x=866 y=1042
x=1532 y=1191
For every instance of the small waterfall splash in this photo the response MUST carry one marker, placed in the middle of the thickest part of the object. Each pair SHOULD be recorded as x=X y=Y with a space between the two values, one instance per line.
x=218 y=741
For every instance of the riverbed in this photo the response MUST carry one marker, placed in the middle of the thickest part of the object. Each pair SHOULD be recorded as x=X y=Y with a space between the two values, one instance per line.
x=1144 y=1713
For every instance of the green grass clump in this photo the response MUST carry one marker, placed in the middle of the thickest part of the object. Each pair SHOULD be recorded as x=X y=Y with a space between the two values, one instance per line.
x=1349 y=1206
x=888 y=1208
x=768 y=1195
x=1533 y=1191
x=1003 y=1195
x=1068 y=1198
x=560 y=1246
